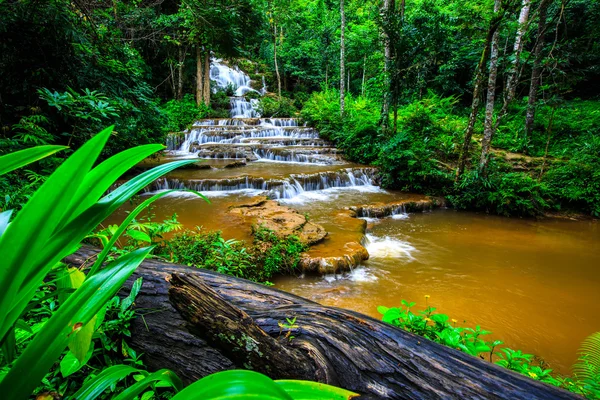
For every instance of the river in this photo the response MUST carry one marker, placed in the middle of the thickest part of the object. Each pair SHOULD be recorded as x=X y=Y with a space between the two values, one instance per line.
x=534 y=284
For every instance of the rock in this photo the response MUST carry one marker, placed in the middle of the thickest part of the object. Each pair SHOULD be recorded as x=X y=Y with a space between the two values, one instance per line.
x=380 y=210
x=339 y=252
x=284 y=221
x=351 y=255
x=236 y=164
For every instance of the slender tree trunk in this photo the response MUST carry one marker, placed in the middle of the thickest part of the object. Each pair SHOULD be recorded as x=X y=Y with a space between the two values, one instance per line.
x=206 y=86
x=536 y=72
x=464 y=154
x=275 y=59
x=488 y=131
x=199 y=77
x=513 y=75
x=180 y=73
x=386 y=11
x=342 y=58
x=362 y=88
x=549 y=130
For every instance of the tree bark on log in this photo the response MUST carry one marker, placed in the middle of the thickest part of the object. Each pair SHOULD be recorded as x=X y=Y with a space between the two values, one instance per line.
x=197 y=322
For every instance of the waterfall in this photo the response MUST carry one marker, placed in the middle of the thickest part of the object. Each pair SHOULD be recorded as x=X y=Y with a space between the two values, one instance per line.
x=226 y=77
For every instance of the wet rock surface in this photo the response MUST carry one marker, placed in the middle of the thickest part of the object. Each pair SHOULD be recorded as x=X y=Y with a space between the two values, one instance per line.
x=282 y=220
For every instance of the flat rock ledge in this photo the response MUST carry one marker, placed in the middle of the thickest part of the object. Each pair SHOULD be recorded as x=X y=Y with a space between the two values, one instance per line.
x=381 y=210
x=282 y=220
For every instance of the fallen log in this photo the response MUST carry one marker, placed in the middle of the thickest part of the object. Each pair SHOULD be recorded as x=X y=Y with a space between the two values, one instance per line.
x=197 y=322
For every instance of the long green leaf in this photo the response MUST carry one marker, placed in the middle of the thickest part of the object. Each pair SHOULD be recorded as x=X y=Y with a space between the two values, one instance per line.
x=163 y=376
x=94 y=387
x=79 y=309
x=307 y=390
x=62 y=242
x=233 y=384
x=125 y=224
x=104 y=175
x=26 y=237
x=18 y=159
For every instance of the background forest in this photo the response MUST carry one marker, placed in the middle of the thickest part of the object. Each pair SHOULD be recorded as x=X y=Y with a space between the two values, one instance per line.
x=493 y=104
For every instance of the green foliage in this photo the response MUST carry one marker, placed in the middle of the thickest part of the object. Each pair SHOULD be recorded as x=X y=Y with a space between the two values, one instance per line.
x=268 y=255
x=576 y=183
x=269 y=107
x=509 y=193
x=50 y=226
x=250 y=384
x=357 y=133
x=588 y=365
x=182 y=113
x=276 y=255
x=440 y=329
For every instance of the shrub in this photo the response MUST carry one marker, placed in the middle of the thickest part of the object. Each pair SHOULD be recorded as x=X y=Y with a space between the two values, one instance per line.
x=182 y=113
x=513 y=193
x=269 y=107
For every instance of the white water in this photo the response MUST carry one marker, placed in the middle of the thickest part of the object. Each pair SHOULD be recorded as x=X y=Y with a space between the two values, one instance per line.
x=388 y=247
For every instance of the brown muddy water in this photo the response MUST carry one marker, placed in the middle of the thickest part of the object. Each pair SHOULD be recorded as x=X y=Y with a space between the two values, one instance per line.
x=534 y=284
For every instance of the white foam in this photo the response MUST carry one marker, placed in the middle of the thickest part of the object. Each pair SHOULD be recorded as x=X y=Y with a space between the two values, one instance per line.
x=210 y=194
x=388 y=247
x=400 y=216
x=329 y=194
x=358 y=274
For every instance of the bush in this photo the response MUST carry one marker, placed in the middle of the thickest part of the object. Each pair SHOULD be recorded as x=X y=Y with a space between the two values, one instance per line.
x=182 y=113
x=268 y=255
x=513 y=193
x=576 y=183
x=269 y=107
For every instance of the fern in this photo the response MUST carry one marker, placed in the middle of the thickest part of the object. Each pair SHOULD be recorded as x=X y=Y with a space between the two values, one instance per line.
x=588 y=364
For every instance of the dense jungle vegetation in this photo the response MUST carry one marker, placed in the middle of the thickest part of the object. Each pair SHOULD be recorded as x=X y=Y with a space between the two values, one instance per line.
x=491 y=104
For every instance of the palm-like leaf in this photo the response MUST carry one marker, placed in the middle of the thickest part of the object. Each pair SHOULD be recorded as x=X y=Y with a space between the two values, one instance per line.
x=588 y=364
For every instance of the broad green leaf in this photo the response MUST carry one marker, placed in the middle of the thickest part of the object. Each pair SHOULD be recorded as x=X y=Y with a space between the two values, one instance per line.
x=161 y=376
x=104 y=175
x=18 y=159
x=94 y=387
x=43 y=351
x=63 y=242
x=135 y=289
x=307 y=390
x=25 y=239
x=139 y=235
x=68 y=278
x=70 y=364
x=81 y=341
x=233 y=384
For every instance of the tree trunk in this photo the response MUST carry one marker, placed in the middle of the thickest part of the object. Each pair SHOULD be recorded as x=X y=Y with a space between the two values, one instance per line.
x=206 y=85
x=362 y=88
x=536 y=72
x=180 y=73
x=275 y=59
x=513 y=75
x=342 y=58
x=199 y=77
x=488 y=131
x=386 y=11
x=197 y=322
x=464 y=154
